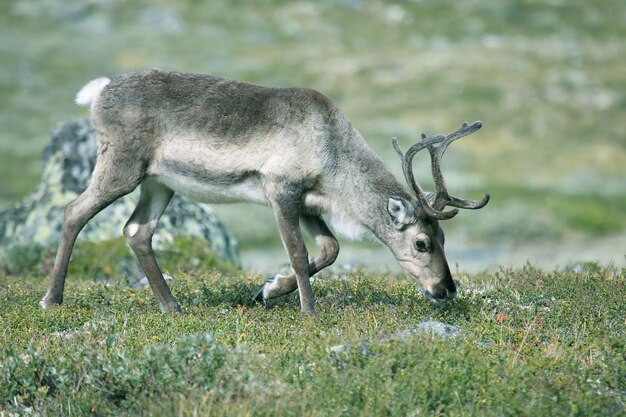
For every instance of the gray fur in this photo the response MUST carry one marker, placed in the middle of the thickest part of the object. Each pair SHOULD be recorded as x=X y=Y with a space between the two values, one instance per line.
x=217 y=140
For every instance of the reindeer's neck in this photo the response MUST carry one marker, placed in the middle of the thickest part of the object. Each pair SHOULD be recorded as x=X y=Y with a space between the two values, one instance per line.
x=362 y=193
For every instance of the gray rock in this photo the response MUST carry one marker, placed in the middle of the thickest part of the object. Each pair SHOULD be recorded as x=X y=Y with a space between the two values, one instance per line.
x=434 y=328
x=340 y=355
x=69 y=160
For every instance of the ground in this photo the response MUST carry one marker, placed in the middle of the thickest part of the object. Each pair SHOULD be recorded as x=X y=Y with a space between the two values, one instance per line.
x=531 y=342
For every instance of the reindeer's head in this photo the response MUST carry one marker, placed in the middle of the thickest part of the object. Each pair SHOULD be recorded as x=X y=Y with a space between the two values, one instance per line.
x=418 y=241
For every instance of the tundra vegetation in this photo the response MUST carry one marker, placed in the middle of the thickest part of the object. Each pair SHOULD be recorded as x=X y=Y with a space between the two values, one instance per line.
x=532 y=342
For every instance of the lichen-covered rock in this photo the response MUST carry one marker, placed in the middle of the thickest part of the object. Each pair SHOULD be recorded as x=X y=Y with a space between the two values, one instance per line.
x=432 y=328
x=68 y=163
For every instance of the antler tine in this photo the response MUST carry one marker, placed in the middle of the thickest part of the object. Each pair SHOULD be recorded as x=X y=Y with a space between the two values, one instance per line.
x=444 y=199
x=407 y=162
x=466 y=129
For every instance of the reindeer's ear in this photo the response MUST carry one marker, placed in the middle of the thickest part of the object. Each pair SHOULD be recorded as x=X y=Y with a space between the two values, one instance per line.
x=401 y=211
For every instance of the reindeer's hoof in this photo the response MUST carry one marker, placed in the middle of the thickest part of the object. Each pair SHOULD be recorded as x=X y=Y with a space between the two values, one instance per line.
x=261 y=296
x=170 y=307
x=309 y=312
x=47 y=303
x=258 y=297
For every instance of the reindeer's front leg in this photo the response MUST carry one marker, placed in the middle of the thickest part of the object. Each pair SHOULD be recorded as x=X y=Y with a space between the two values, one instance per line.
x=329 y=249
x=287 y=212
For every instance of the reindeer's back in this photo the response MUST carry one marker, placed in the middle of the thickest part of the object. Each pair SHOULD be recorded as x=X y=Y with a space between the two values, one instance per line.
x=211 y=108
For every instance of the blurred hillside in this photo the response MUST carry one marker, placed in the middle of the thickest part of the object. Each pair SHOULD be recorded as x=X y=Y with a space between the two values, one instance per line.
x=547 y=78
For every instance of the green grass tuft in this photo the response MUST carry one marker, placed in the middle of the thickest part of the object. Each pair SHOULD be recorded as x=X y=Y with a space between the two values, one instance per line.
x=534 y=342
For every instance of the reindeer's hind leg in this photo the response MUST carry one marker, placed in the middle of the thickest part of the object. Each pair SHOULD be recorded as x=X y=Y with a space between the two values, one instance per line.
x=329 y=249
x=115 y=175
x=138 y=232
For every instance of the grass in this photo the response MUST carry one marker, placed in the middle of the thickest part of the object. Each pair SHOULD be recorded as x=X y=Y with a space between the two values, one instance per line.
x=534 y=342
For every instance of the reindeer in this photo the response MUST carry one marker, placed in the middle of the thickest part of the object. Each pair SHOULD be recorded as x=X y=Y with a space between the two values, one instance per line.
x=216 y=140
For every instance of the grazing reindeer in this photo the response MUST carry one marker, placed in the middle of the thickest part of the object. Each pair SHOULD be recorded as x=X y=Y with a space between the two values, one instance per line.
x=218 y=141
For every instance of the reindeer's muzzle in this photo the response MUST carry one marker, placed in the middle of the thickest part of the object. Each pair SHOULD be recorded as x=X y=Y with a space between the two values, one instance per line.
x=444 y=292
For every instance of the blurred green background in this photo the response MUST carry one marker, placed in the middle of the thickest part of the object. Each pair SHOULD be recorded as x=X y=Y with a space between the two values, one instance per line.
x=547 y=78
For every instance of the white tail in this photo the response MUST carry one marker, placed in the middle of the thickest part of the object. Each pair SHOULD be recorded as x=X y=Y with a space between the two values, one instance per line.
x=87 y=95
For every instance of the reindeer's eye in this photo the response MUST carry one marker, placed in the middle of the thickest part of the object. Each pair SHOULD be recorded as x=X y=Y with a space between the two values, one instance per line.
x=422 y=245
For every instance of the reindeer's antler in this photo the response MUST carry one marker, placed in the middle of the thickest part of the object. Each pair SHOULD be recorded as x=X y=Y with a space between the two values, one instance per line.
x=443 y=198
